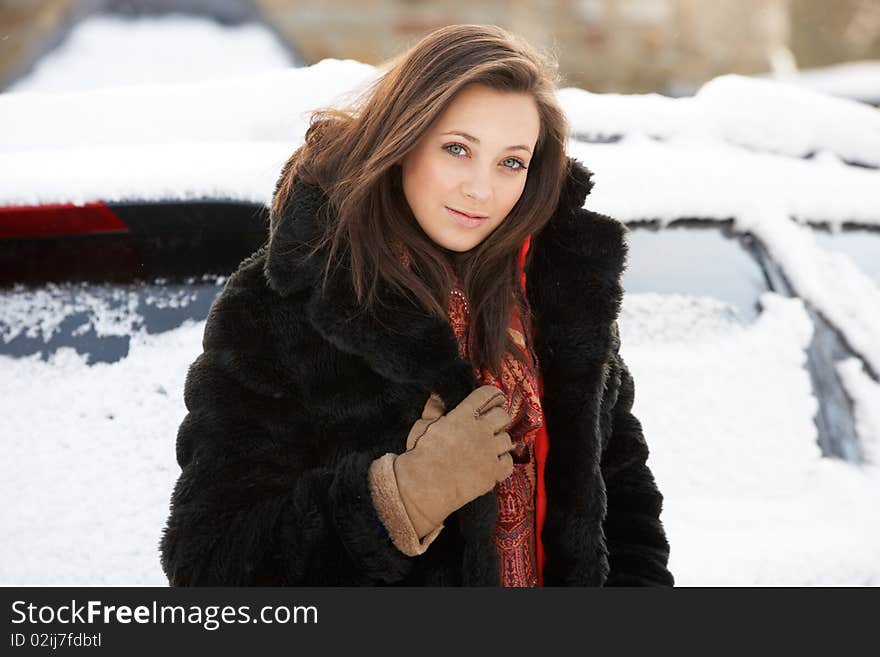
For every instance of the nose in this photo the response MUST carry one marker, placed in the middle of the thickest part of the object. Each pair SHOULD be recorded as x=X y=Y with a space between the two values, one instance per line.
x=478 y=188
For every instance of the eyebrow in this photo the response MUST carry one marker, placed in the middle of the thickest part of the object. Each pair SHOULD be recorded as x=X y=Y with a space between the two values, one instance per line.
x=520 y=147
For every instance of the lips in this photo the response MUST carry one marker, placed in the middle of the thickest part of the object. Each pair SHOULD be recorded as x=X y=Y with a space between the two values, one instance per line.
x=469 y=214
x=465 y=220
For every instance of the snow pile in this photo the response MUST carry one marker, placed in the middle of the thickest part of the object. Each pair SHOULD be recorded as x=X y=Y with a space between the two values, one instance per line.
x=234 y=171
x=727 y=413
x=641 y=178
x=270 y=106
x=855 y=80
x=111 y=51
x=747 y=112
x=89 y=461
x=209 y=140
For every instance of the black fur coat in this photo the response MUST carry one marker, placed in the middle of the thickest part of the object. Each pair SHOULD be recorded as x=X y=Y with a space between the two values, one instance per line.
x=296 y=393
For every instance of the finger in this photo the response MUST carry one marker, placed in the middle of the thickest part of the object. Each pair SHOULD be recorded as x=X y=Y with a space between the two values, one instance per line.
x=486 y=396
x=505 y=467
x=503 y=443
x=432 y=412
x=495 y=401
x=434 y=408
x=418 y=430
x=498 y=418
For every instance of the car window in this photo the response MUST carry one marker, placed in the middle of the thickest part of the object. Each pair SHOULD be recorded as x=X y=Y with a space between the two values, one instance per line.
x=860 y=244
x=698 y=259
x=97 y=320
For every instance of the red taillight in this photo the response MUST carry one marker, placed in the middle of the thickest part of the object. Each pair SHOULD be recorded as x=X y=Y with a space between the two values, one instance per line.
x=19 y=222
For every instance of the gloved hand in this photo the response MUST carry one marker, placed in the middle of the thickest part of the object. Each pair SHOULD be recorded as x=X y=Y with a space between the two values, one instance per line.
x=454 y=458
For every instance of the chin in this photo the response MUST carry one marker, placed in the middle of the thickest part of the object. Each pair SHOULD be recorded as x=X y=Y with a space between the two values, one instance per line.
x=451 y=240
x=455 y=245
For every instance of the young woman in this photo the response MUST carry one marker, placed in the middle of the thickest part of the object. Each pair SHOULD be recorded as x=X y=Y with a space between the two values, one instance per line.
x=417 y=380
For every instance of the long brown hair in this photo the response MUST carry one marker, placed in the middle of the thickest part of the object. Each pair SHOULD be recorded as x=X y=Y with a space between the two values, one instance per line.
x=350 y=152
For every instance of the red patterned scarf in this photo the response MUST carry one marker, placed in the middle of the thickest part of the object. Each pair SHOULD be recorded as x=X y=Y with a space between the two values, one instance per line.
x=521 y=495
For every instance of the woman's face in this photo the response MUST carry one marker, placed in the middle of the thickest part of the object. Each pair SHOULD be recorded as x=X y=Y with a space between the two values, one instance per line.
x=479 y=170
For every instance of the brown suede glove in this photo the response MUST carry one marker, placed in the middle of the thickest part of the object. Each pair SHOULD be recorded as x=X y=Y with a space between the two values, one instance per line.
x=450 y=460
x=458 y=457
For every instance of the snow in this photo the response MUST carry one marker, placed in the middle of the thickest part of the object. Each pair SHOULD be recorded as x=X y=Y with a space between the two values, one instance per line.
x=168 y=48
x=863 y=247
x=865 y=393
x=698 y=261
x=98 y=319
x=232 y=170
x=640 y=178
x=216 y=139
x=90 y=452
x=747 y=112
x=749 y=500
x=89 y=461
x=855 y=80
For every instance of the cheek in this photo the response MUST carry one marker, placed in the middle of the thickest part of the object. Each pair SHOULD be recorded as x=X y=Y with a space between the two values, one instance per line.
x=421 y=177
x=512 y=198
x=436 y=173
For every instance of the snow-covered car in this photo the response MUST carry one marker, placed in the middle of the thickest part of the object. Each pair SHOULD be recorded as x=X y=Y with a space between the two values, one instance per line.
x=768 y=463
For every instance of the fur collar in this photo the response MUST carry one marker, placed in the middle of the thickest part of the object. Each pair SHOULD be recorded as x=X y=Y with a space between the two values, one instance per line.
x=404 y=344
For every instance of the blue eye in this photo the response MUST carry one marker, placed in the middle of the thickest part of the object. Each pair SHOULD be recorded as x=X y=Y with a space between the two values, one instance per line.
x=521 y=167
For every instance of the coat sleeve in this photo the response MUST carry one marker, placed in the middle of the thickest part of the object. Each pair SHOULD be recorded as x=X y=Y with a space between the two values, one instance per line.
x=253 y=505
x=637 y=544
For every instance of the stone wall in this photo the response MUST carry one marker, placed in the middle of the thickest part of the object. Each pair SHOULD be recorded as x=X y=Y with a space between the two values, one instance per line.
x=23 y=22
x=604 y=45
